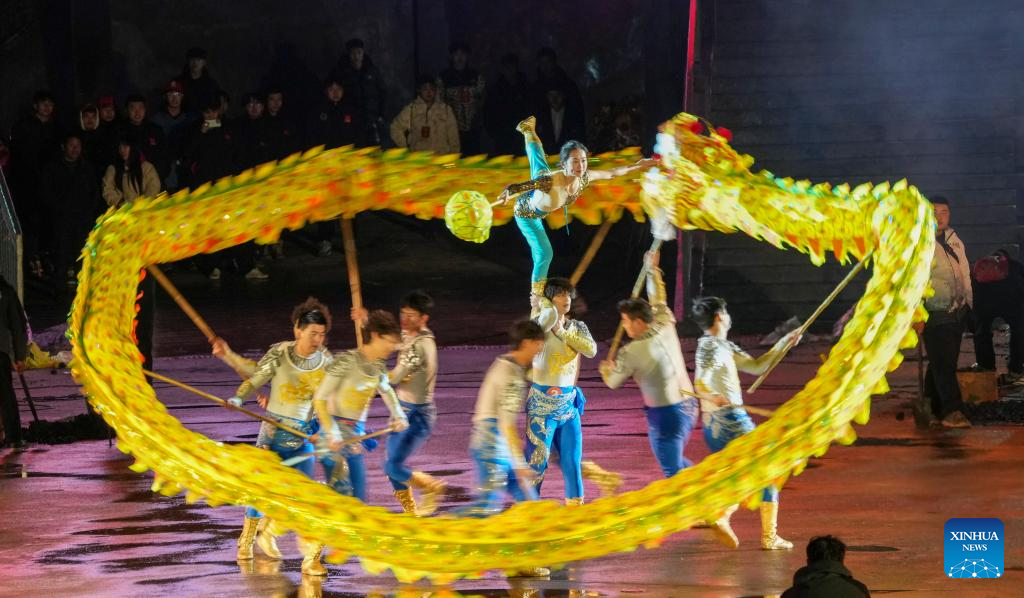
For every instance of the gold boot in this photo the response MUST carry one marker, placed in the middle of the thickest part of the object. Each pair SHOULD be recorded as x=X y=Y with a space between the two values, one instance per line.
x=723 y=530
x=537 y=288
x=311 y=552
x=431 y=490
x=528 y=127
x=608 y=482
x=770 y=539
x=572 y=502
x=531 y=572
x=266 y=539
x=407 y=501
x=248 y=536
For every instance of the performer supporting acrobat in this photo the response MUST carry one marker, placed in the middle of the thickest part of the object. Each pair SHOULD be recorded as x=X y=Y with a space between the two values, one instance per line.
x=554 y=405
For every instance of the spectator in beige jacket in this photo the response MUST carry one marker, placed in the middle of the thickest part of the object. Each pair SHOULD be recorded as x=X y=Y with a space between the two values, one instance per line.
x=426 y=124
x=129 y=177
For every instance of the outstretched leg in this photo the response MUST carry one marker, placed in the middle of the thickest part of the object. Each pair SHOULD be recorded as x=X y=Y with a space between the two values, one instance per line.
x=527 y=219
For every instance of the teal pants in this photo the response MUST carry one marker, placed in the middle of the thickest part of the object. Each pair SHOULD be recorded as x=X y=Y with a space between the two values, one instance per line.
x=533 y=228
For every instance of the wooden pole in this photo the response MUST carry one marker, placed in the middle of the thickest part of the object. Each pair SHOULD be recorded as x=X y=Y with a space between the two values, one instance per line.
x=182 y=302
x=224 y=403
x=349 y=241
x=821 y=308
x=28 y=397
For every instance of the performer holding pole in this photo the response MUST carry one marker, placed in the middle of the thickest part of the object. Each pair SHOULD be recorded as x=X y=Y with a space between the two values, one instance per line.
x=294 y=370
x=655 y=360
x=548 y=190
x=414 y=377
x=721 y=399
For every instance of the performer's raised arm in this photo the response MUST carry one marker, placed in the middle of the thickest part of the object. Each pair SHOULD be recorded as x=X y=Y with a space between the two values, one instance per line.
x=243 y=366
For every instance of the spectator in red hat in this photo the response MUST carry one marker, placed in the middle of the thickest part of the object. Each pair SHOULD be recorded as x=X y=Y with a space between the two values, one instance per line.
x=176 y=124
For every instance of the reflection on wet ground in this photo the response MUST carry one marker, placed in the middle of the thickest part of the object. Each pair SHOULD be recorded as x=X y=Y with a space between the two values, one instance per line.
x=79 y=523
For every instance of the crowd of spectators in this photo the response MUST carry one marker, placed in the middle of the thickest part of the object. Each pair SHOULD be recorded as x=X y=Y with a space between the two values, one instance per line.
x=65 y=167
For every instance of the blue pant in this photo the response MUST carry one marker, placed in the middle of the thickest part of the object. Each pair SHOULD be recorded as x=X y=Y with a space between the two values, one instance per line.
x=404 y=443
x=286 y=446
x=533 y=228
x=495 y=475
x=346 y=473
x=668 y=429
x=727 y=425
x=553 y=418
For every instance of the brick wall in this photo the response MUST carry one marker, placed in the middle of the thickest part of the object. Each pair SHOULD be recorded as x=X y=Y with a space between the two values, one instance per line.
x=866 y=90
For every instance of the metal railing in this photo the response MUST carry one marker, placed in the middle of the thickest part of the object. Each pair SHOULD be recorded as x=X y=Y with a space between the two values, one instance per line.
x=10 y=241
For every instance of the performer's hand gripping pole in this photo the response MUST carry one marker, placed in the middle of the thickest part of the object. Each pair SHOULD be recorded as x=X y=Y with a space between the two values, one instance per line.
x=655 y=246
x=254 y=415
x=802 y=329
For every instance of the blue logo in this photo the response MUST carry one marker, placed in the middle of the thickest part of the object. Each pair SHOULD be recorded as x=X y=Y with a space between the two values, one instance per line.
x=974 y=548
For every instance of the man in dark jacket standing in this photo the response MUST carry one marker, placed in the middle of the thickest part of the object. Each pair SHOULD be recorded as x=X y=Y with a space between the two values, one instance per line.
x=13 y=350
x=70 y=195
x=148 y=137
x=334 y=122
x=364 y=87
x=825 y=576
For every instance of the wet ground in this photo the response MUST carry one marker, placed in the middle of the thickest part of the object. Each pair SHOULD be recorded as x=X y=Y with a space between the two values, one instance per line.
x=77 y=522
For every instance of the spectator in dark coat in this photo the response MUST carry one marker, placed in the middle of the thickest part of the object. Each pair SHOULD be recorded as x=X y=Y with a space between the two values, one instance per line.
x=559 y=122
x=212 y=151
x=462 y=88
x=998 y=282
x=550 y=75
x=70 y=195
x=147 y=137
x=253 y=134
x=282 y=133
x=106 y=153
x=89 y=133
x=212 y=154
x=13 y=351
x=825 y=576
x=335 y=121
x=35 y=140
x=508 y=102
x=200 y=87
x=365 y=89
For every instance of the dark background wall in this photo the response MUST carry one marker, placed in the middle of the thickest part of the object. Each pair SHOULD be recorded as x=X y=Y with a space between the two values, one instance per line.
x=843 y=91
x=867 y=90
